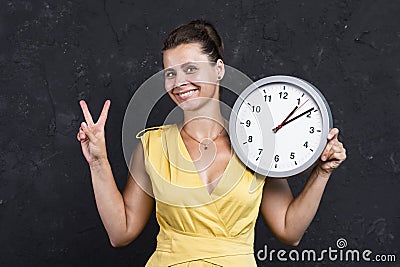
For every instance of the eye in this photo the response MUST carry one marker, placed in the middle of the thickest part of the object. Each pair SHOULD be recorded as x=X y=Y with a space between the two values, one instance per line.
x=169 y=74
x=191 y=69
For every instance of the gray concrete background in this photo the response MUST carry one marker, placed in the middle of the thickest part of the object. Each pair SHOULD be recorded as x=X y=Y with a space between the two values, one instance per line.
x=54 y=53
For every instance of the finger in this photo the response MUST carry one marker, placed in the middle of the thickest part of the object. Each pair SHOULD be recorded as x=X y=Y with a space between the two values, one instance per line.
x=87 y=131
x=103 y=116
x=337 y=156
x=333 y=141
x=86 y=112
x=330 y=165
x=337 y=147
x=81 y=133
x=81 y=136
x=333 y=133
x=326 y=151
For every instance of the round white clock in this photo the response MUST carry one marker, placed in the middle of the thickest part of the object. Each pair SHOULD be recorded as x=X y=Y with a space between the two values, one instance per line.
x=279 y=125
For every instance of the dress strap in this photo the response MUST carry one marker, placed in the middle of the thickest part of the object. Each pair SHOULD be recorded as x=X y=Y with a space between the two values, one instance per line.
x=140 y=133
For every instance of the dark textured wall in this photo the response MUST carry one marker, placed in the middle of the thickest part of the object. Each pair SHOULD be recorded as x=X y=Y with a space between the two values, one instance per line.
x=53 y=53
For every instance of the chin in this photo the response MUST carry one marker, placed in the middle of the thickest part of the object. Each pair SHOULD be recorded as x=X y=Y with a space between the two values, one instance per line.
x=192 y=104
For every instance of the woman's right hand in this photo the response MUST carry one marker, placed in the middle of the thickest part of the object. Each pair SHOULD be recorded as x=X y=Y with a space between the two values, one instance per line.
x=92 y=135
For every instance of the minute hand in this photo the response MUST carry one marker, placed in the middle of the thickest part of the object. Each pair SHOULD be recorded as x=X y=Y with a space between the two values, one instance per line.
x=298 y=116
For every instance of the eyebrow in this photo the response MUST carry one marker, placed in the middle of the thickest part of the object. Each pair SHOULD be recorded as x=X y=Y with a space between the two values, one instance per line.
x=169 y=69
x=184 y=65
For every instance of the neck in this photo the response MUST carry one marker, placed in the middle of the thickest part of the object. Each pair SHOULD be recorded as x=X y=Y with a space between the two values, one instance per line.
x=204 y=123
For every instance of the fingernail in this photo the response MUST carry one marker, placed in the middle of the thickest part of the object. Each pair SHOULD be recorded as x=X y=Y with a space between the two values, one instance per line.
x=323 y=158
x=84 y=125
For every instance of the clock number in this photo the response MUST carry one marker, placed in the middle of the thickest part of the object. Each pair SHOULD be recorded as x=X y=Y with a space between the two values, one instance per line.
x=260 y=150
x=250 y=139
x=248 y=123
x=311 y=129
x=267 y=97
x=283 y=95
x=306 y=144
x=256 y=109
x=298 y=101
x=292 y=155
x=276 y=158
x=309 y=114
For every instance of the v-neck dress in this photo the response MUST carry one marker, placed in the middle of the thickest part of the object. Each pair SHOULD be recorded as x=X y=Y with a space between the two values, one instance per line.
x=198 y=228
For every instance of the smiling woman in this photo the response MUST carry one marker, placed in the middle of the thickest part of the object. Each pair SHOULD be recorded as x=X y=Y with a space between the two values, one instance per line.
x=214 y=204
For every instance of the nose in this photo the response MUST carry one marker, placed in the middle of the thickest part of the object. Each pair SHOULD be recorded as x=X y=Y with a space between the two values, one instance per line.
x=180 y=79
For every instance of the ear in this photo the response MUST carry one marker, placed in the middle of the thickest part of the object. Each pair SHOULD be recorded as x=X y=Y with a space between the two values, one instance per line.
x=220 y=67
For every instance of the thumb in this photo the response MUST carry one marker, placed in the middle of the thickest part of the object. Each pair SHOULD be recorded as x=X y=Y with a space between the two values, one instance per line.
x=87 y=131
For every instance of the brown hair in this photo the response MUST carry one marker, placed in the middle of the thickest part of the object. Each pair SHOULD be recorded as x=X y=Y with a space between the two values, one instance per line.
x=197 y=31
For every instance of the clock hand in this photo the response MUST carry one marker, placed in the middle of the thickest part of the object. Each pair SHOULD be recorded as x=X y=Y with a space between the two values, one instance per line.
x=285 y=120
x=298 y=116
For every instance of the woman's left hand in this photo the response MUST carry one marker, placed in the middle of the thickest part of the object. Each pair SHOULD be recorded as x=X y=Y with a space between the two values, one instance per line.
x=334 y=153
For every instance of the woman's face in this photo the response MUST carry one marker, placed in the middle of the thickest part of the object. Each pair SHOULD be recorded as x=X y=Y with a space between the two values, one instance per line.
x=190 y=78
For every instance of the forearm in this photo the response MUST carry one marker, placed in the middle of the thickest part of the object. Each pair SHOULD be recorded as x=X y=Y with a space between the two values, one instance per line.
x=109 y=200
x=303 y=208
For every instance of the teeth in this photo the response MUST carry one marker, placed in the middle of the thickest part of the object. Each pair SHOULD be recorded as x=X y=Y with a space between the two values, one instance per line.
x=186 y=94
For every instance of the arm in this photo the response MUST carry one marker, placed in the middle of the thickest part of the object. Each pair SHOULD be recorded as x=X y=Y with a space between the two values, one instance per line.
x=289 y=217
x=124 y=215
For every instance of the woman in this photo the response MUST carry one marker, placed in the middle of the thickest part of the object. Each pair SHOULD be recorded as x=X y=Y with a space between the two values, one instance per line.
x=219 y=233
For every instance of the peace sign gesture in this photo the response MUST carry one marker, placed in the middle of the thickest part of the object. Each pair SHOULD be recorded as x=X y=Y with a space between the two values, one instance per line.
x=92 y=135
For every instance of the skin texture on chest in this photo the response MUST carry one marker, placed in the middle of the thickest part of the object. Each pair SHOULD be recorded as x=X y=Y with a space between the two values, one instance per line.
x=210 y=163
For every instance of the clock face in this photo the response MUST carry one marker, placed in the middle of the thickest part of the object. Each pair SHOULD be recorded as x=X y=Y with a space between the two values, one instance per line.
x=280 y=125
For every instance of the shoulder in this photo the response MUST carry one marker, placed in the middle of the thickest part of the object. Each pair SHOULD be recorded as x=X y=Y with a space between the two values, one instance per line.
x=153 y=131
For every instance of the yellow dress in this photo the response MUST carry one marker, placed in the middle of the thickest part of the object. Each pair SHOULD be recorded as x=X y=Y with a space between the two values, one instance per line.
x=198 y=228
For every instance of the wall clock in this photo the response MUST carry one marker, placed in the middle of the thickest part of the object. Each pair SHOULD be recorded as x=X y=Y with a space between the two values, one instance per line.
x=279 y=125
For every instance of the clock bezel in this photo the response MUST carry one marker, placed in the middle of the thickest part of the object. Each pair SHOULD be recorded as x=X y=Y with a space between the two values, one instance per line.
x=323 y=106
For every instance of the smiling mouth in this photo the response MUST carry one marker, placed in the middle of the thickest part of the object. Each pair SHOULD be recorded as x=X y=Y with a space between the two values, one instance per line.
x=186 y=94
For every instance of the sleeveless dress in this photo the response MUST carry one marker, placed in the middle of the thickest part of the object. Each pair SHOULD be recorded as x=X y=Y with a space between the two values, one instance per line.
x=198 y=228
